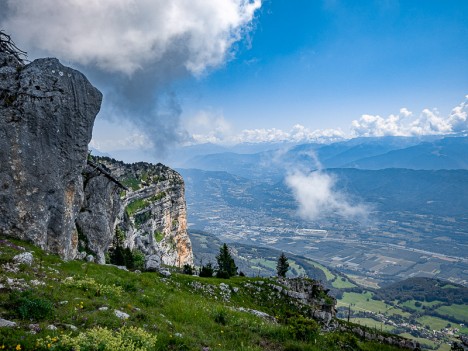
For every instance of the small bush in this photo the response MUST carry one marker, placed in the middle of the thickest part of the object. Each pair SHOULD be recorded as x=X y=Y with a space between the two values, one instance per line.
x=89 y=284
x=187 y=269
x=207 y=271
x=302 y=328
x=30 y=306
x=103 y=339
x=220 y=317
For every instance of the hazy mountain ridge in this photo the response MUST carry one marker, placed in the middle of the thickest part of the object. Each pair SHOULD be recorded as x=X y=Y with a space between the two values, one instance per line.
x=431 y=153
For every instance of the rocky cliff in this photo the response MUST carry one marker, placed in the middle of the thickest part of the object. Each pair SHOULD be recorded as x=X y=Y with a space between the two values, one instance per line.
x=47 y=113
x=49 y=193
x=152 y=214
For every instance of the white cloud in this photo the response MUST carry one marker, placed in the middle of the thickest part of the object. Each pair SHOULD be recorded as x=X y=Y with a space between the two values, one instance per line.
x=297 y=134
x=429 y=122
x=110 y=136
x=317 y=197
x=127 y=35
x=458 y=118
x=208 y=127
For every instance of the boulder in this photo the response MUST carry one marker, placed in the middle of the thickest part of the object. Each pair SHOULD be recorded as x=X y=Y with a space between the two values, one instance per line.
x=152 y=263
x=25 y=257
x=47 y=113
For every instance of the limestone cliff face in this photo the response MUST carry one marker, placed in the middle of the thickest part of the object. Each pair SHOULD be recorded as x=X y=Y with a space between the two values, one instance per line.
x=153 y=214
x=47 y=113
x=51 y=196
x=98 y=214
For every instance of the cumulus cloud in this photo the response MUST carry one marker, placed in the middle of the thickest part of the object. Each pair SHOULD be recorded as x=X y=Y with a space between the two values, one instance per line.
x=458 y=118
x=127 y=35
x=297 y=134
x=208 y=127
x=429 y=122
x=317 y=197
x=133 y=49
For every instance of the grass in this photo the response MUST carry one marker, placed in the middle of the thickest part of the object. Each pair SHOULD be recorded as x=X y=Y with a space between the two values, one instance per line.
x=342 y=283
x=424 y=342
x=364 y=302
x=177 y=313
x=459 y=312
x=434 y=323
x=411 y=304
x=329 y=275
x=372 y=323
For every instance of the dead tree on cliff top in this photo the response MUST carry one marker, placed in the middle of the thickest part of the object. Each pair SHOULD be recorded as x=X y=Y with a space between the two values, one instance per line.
x=8 y=46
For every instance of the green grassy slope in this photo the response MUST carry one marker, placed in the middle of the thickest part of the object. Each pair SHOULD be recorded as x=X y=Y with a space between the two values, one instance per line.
x=71 y=305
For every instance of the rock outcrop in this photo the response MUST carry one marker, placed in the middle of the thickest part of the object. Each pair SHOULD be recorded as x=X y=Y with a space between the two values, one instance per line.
x=153 y=214
x=52 y=195
x=98 y=214
x=47 y=113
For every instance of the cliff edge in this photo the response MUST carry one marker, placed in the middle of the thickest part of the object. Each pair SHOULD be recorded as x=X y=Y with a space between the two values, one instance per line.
x=51 y=195
x=47 y=113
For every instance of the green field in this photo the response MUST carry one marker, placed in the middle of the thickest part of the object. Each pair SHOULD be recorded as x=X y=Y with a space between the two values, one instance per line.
x=371 y=323
x=342 y=283
x=434 y=323
x=329 y=275
x=424 y=342
x=460 y=312
x=364 y=302
x=411 y=304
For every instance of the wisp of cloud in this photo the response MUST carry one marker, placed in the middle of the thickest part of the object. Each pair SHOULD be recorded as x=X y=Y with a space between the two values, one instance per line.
x=317 y=195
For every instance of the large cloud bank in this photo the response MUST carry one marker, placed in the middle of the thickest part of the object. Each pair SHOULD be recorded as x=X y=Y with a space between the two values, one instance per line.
x=134 y=50
x=127 y=35
x=405 y=123
x=429 y=122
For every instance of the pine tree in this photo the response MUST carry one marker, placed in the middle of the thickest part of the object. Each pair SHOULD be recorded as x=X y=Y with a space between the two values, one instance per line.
x=282 y=266
x=226 y=265
x=207 y=270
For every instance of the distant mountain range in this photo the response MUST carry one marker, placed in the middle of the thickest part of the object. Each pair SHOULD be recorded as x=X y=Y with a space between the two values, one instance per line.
x=428 y=153
x=441 y=192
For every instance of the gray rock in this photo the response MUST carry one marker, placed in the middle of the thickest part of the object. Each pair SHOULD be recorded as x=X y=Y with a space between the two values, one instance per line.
x=99 y=211
x=152 y=263
x=80 y=255
x=25 y=257
x=71 y=327
x=90 y=258
x=260 y=314
x=6 y=323
x=165 y=273
x=47 y=113
x=51 y=327
x=121 y=315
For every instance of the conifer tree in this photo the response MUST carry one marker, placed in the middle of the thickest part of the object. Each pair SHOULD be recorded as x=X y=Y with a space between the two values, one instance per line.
x=282 y=266
x=226 y=265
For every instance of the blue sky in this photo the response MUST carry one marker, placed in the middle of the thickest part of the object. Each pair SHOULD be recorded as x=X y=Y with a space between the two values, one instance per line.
x=324 y=63
x=229 y=71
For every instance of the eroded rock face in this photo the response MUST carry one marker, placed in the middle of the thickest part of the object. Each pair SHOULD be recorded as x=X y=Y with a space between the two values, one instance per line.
x=47 y=113
x=52 y=196
x=153 y=214
x=98 y=214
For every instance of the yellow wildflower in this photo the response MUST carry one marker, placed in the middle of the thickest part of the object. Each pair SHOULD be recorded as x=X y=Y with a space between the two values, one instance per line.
x=18 y=347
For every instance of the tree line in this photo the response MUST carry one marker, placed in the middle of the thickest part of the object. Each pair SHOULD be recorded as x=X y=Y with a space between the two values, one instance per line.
x=227 y=268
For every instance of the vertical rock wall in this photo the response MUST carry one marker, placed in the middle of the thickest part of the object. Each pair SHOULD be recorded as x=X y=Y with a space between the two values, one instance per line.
x=153 y=215
x=47 y=113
